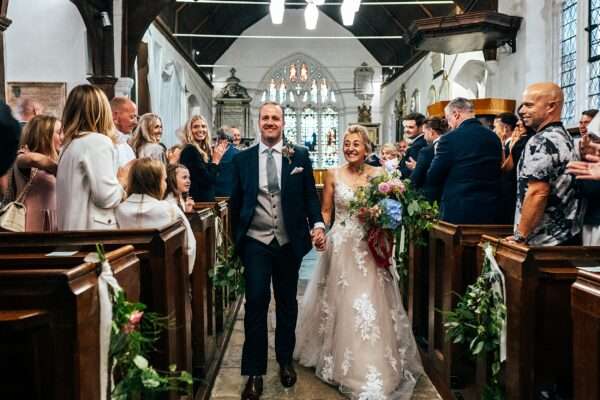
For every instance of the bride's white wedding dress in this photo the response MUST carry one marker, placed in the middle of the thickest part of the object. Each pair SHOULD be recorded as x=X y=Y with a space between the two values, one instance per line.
x=352 y=326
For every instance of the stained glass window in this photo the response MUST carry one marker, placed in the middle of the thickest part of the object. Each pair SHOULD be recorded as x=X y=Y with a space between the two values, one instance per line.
x=594 y=66
x=290 y=125
x=568 y=54
x=310 y=107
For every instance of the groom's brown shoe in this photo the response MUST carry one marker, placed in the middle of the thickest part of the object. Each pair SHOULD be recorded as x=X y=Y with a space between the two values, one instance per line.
x=287 y=375
x=253 y=389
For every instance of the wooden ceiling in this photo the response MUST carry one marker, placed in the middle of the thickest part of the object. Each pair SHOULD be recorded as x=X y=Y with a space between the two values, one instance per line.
x=234 y=19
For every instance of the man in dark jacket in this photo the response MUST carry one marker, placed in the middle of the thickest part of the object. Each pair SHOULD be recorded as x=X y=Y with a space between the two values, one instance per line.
x=433 y=129
x=224 y=180
x=467 y=165
x=413 y=128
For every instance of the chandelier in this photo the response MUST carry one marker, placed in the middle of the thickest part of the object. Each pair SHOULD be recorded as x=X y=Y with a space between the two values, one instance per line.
x=348 y=9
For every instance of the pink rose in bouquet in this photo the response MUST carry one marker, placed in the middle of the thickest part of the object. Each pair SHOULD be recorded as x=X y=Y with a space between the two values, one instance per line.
x=384 y=187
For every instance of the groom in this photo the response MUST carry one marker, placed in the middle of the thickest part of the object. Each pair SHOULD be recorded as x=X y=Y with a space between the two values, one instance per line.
x=275 y=214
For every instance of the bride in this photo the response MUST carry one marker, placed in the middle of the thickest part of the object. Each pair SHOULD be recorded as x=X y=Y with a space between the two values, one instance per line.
x=352 y=325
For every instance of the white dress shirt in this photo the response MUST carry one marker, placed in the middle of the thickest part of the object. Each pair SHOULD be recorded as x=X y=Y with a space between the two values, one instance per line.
x=124 y=151
x=262 y=162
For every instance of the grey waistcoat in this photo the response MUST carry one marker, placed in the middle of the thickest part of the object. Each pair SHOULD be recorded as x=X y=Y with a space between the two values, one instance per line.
x=267 y=222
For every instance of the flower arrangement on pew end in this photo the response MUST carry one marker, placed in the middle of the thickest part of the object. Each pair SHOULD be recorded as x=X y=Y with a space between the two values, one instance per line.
x=133 y=334
x=229 y=271
x=478 y=322
x=393 y=213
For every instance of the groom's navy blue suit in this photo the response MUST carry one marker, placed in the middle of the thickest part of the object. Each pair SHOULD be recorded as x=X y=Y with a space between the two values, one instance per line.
x=299 y=207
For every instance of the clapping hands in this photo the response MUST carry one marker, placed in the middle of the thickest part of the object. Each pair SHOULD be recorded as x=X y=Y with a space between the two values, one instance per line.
x=589 y=169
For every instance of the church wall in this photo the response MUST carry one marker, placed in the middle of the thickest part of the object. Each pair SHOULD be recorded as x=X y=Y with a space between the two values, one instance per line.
x=46 y=42
x=420 y=77
x=253 y=58
x=176 y=90
x=538 y=49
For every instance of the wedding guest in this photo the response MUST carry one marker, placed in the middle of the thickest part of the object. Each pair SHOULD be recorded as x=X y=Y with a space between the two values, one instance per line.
x=389 y=157
x=225 y=144
x=413 y=129
x=433 y=129
x=9 y=140
x=513 y=150
x=373 y=158
x=29 y=108
x=178 y=187
x=87 y=184
x=199 y=159
x=466 y=166
x=144 y=208
x=402 y=146
x=146 y=138
x=124 y=114
x=237 y=138
x=35 y=170
x=173 y=154
x=548 y=211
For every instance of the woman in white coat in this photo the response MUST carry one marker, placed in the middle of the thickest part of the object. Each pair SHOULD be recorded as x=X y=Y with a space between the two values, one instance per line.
x=87 y=187
x=144 y=207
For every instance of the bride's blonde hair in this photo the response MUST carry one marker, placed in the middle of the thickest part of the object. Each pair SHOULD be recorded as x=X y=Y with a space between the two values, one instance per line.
x=362 y=132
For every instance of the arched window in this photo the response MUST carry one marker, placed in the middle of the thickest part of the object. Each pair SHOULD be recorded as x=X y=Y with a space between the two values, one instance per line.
x=307 y=94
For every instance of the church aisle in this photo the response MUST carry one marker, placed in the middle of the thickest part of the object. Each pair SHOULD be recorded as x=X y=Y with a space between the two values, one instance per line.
x=229 y=383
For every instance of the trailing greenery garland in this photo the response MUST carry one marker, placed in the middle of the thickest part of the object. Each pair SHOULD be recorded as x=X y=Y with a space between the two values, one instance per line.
x=133 y=334
x=229 y=271
x=477 y=321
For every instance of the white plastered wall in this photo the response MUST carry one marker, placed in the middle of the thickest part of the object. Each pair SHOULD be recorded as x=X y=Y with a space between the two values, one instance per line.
x=46 y=42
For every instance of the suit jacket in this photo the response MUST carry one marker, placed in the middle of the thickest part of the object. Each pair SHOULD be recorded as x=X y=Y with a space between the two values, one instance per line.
x=300 y=203
x=412 y=152
x=224 y=180
x=467 y=165
x=418 y=177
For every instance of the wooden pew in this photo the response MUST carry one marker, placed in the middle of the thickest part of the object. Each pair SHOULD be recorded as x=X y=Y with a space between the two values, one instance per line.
x=415 y=290
x=49 y=316
x=204 y=344
x=539 y=326
x=585 y=309
x=164 y=277
x=452 y=267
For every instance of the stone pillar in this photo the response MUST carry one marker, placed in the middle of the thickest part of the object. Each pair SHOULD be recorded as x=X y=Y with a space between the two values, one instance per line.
x=4 y=24
x=106 y=83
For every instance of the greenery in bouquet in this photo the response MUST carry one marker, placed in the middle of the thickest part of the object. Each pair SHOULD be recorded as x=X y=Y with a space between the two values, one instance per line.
x=133 y=334
x=477 y=322
x=392 y=211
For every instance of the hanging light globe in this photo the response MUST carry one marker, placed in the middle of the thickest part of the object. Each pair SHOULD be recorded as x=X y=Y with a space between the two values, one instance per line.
x=347 y=13
x=311 y=15
x=276 y=10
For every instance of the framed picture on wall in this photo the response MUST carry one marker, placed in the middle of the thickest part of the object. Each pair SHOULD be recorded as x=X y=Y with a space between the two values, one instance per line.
x=372 y=130
x=51 y=95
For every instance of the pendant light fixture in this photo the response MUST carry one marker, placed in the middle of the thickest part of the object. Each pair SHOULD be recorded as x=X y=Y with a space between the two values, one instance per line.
x=276 y=10
x=311 y=15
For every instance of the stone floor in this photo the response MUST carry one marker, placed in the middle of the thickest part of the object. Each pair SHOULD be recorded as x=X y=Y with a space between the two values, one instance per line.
x=229 y=383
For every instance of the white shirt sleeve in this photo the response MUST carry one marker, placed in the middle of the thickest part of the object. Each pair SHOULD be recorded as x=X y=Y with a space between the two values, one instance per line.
x=190 y=241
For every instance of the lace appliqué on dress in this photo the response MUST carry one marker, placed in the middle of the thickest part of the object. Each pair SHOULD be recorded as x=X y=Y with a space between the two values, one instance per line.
x=347 y=363
x=373 y=389
x=365 y=319
x=327 y=370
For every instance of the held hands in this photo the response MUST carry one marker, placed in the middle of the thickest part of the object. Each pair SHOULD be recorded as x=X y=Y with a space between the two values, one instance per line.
x=411 y=163
x=319 y=239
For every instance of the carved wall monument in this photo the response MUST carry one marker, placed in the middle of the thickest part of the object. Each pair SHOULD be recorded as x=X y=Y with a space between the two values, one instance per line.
x=233 y=105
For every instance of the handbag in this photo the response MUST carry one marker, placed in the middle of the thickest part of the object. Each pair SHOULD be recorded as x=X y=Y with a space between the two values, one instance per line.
x=12 y=215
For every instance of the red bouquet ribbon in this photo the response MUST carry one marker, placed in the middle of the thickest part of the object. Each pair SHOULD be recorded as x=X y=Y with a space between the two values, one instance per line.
x=381 y=246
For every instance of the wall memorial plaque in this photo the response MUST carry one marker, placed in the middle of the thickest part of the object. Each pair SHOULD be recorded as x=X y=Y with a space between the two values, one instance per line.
x=51 y=95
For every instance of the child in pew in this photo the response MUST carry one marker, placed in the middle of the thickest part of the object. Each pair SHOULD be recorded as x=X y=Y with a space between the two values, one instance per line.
x=144 y=208
x=178 y=186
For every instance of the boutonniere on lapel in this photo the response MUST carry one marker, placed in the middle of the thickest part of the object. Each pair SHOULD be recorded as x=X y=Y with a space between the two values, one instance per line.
x=288 y=151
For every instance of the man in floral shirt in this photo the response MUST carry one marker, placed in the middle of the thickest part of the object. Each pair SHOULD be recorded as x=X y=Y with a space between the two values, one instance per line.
x=548 y=211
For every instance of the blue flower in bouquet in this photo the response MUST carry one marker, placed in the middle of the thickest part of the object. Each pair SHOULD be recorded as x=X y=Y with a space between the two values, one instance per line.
x=392 y=213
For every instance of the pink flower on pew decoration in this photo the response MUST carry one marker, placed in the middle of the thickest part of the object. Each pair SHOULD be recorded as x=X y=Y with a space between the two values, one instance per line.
x=134 y=321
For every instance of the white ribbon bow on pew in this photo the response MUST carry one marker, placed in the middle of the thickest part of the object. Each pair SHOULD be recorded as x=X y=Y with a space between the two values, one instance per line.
x=499 y=287
x=105 y=280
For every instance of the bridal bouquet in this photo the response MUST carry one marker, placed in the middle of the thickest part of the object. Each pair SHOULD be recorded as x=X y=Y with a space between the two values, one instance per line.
x=386 y=207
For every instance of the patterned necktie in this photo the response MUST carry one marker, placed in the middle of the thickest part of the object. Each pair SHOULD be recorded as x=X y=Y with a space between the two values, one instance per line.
x=272 y=180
